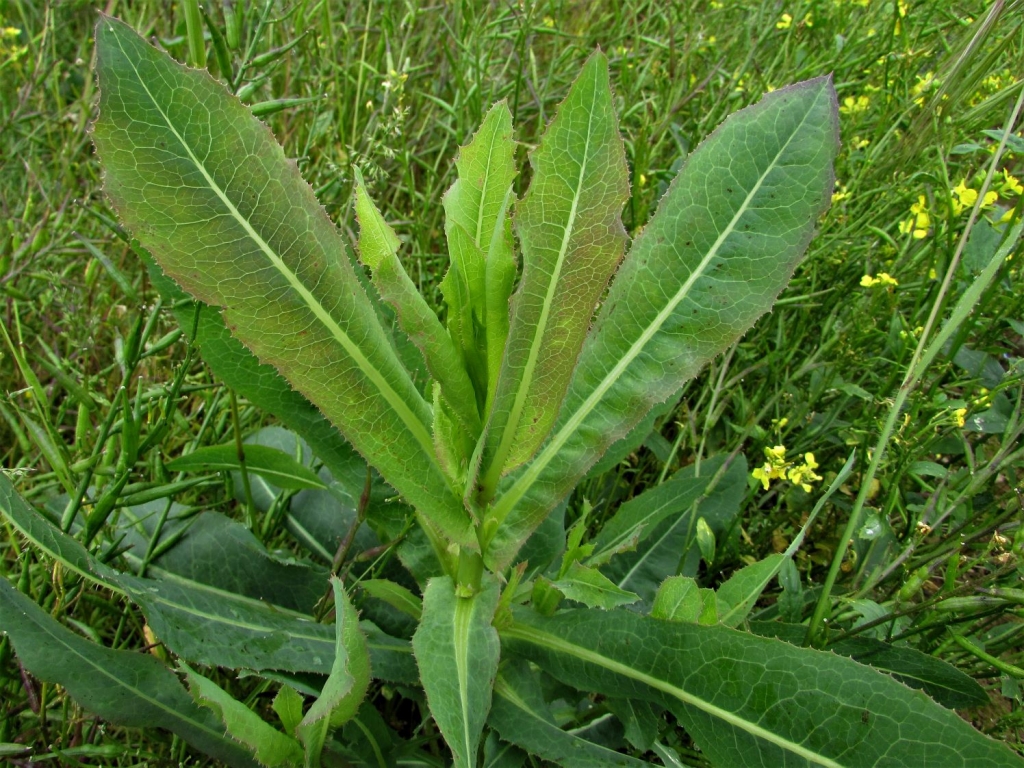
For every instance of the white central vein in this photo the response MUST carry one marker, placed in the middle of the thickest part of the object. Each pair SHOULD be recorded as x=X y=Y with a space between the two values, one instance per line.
x=463 y=620
x=414 y=424
x=557 y=644
x=507 y=502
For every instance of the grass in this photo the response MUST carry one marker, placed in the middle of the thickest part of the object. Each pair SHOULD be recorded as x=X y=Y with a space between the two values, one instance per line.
x=926 y=89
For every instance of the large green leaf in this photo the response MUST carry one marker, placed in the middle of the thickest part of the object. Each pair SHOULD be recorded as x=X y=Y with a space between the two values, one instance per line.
x=570 y=229
x=724 y=242
x=222 y=553
x=208 y=191
x=943 y=682
x=748 y=700
x=124 y=687
x=457 y=650
x=522 y=717
x=202 y=623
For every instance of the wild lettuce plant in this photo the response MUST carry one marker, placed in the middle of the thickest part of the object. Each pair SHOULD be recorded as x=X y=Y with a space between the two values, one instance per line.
x=483 y=431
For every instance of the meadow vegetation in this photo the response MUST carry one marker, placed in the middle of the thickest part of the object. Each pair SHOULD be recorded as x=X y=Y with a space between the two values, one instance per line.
x=100 y=387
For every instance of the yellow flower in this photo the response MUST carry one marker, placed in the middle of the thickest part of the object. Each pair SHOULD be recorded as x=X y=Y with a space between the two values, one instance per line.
x=958 y=416
x=990 y=199
x=919 y=221
x=964 y=197
x=854 y=106
x=549 y=22
x=777 y=468
x=784 y=22
x=884 y=278
x=1010 y=184
x=841 y=194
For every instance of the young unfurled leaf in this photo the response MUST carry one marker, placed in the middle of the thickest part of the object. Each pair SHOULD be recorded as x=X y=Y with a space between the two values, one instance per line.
x=270 y=747
x=288 y=707
x=483 y=268
x=724 y=241
x=346 y=685
x=208 y=191
x=378 y=248
x=457 y=651
x=570 y=229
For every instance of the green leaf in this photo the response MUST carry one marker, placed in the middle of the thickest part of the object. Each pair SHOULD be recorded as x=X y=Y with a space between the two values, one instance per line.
x=740 y=696
x=744 y=587
x=457 y=650
x=124 y=687
x=668 y=545
x=679 y=598
x=639 y=719
x=391 y=658
x=378 y=247
x=271 y=747
x=479 y=282
x=208 y=191
x=395 y=595
x=638 y=518
x=345 y=689
x=200 y=622
x=724 y=242
x=288 y=706
x=275 y=466
x=570 y=229
x=943 y=682
x=261 y=385
x=521 y=716
x=589 y=586
x=217 y=551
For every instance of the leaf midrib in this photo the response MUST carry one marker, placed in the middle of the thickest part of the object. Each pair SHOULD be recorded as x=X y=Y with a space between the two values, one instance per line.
x=526 y=382
x=122 y=683
x=507 y=502
x=463 y=618
x=551 y=642
x=413 y=423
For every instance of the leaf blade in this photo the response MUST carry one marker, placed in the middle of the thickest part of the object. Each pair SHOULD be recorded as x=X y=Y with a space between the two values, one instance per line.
x=233 y=222
x=570 y=229
x=727 y=235
x=735 y=692
x=455 y=634
x=121 y=686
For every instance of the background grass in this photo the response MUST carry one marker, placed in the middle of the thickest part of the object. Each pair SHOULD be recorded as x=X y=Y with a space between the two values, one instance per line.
x=396 y=87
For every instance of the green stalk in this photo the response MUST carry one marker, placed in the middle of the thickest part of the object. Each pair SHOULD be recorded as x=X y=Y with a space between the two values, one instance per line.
x=194 y=33
x=919 y=363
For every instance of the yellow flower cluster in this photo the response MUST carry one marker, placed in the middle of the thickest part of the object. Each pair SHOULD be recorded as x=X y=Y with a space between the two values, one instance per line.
x=854 y=106
x=958 y=416
x=964 y=197
x=776 y=467
x=883 y=278
x=919 y=220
